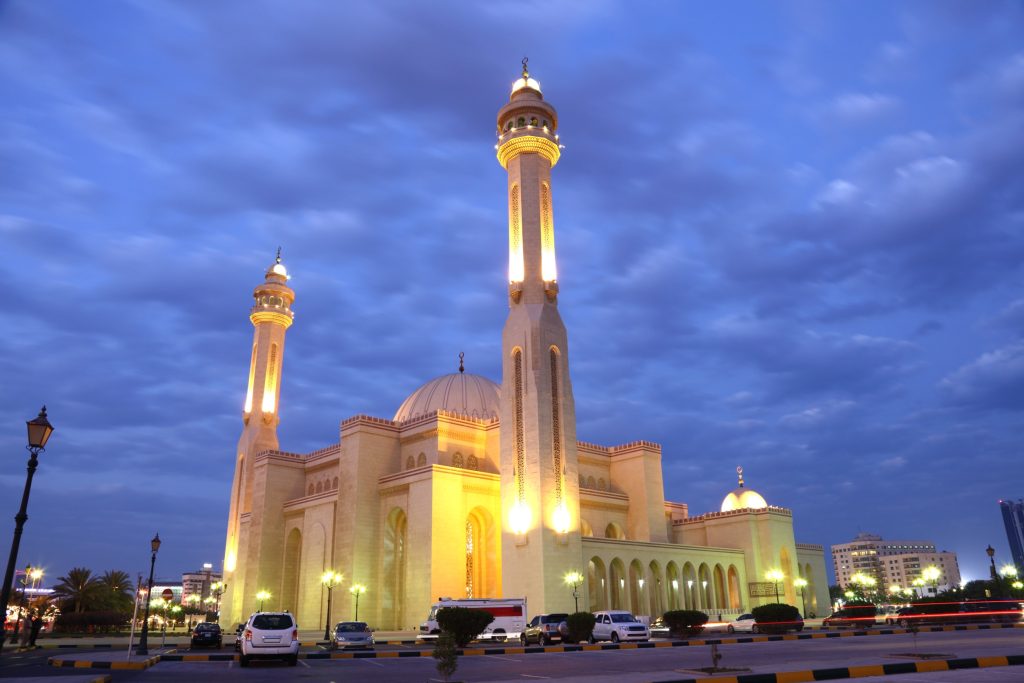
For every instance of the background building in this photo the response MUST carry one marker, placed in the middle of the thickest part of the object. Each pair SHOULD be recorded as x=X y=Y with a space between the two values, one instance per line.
x=893 y=563
x=199 y=582
x=1013 y=519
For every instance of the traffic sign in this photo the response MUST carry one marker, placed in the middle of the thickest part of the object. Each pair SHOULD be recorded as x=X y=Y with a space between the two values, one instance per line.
x=167 y=595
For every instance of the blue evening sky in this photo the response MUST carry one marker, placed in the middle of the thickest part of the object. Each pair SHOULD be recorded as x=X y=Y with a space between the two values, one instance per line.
x=790 y=237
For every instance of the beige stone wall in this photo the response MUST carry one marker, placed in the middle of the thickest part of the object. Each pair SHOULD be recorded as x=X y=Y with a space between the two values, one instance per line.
x=636 y=471
x=816 y=599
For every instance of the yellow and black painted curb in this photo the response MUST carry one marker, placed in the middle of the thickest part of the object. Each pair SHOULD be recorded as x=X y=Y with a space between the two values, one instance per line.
x=890 y=669
x=91 y=664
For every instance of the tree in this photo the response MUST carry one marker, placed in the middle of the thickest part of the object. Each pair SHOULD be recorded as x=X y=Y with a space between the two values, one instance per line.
x=446 y=654
x=79 y=588
x=115 y=591
x=463 y=624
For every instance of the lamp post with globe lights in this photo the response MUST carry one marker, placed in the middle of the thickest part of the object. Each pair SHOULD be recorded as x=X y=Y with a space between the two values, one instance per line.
x=775 y=575
x=574 y=579
x=262 y=596
x=330 y=579
x=800 y=583
x=356 y=590
x=39 y=431
x=143 y=647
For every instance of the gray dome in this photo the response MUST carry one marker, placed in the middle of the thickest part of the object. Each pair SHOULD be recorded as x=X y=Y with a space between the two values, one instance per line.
x=460 y=392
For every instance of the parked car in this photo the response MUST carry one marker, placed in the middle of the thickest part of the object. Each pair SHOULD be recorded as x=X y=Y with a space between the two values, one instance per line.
x=270 y=635
x=618 y=625
x=353 y=634
x=852 y=617
x=544 y=629
x=970 y=612
x=207 y=635
x=744 y=623
x=239 y=630
x=659 y=629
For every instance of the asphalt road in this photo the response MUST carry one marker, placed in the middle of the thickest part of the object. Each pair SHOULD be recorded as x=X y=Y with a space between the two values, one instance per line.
x=622 y=666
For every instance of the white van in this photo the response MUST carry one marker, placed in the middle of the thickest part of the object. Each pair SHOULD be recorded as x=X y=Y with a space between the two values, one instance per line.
x=509 y=616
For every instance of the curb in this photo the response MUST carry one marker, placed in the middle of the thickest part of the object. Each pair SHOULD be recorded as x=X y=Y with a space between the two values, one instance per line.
x=88 y=664
x=891 y=669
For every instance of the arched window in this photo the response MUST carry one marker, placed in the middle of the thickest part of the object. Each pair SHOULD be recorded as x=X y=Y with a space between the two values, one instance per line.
x=472 y=463
x=556 y=426
x=533 y=121
x=421 y=460
x=516 y=265
x=334 y=484
x=457 y=460
x=521 y=121
x=410 y=462
x=319 y=487
x=519 y=439
x=590 y=483
x=583 y=482
x=311 y=489
x=601 y=485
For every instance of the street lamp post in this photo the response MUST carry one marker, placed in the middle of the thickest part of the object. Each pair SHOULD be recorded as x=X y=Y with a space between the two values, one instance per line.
x=143 y=648
x=330 y=579
x=574 y=579
x=357 y=589
x=262 y=596
x=775 y=575
x=39 y=431
x=801 y=583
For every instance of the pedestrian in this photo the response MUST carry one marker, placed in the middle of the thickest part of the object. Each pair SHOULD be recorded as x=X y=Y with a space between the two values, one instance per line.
x=37 y=626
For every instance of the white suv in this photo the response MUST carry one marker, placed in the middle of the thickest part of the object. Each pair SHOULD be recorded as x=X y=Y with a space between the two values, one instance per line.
x=270 y=635
x=618 y=625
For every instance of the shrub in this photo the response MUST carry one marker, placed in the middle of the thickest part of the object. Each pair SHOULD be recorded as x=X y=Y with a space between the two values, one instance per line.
x=580 y=626
x=463 y=624
x=685 y=622
x=90 y=622
x=776 y=617
x=446 y=654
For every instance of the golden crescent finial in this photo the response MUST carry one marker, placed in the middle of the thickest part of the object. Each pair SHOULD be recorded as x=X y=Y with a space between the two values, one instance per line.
x=526 y=72
x=739 y=471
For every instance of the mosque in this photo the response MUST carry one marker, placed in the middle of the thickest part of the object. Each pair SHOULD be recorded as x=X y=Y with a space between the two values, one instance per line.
x=479 y=489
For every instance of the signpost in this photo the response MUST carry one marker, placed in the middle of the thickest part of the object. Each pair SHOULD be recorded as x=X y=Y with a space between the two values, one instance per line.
x=167 y=595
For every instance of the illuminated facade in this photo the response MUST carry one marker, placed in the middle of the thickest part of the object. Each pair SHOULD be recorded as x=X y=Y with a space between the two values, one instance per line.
x=475 y=489
x=892 y=563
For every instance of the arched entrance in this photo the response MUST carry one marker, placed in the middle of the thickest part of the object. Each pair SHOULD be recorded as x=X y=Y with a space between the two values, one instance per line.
x=393 y=588
x=481 y=552
x=597 y=584
x=292 y=569
x=618 y=584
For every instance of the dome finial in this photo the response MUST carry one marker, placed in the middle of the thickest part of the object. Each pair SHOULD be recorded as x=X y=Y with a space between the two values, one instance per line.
x=526 y=72
x=462 y=355
x=278 y=258
x=739 y=471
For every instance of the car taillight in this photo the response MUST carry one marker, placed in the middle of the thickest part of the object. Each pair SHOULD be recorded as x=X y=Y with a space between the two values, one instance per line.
x=295 y=634
x=248 y=634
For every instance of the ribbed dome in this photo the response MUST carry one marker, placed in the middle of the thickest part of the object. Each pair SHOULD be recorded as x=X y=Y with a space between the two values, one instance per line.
x=741 y=498
x=459 y=392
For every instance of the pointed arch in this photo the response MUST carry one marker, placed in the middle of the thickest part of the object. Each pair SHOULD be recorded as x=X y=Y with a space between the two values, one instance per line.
x=516 y=266
x=656 y=590
x=482 y=554
x=597 y=584
x=638 y=587
x=457 y=460
x=585 y=528
x=410 y=462
x=705 y=588
x=394 y=570
x=421 y=459
x=718 y=577
x=292 y=570
x=690 y=587
x=472 y=463
x=618 y=581
x=674 y=593
x=614 y=530
x=735 y=595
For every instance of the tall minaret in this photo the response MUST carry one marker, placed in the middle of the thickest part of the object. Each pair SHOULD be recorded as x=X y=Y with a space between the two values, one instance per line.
x=271 y=315
x=539 y=469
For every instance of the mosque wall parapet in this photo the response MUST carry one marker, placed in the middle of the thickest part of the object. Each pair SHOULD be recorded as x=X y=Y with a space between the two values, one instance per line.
x=770 y=510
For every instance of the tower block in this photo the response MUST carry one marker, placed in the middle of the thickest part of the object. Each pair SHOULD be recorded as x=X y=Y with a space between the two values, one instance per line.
x=539 y=467
x=271 y=316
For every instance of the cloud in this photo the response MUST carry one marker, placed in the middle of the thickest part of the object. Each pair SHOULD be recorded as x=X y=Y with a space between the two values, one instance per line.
x=994 y=381
x=855 y=108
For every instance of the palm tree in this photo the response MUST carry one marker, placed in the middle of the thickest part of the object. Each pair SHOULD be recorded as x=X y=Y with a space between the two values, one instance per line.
x=115 y=590
x=79 y=587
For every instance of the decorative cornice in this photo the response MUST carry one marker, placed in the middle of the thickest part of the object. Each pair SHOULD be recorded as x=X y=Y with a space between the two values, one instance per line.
x=770 y=510
x=812 y=547
x=262 y=316
x=527 y=144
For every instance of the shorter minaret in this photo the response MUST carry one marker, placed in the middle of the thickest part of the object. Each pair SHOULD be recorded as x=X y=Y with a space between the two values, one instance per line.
x=271 y=316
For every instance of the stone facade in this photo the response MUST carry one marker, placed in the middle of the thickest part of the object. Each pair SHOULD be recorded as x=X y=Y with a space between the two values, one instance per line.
x=480 y=490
